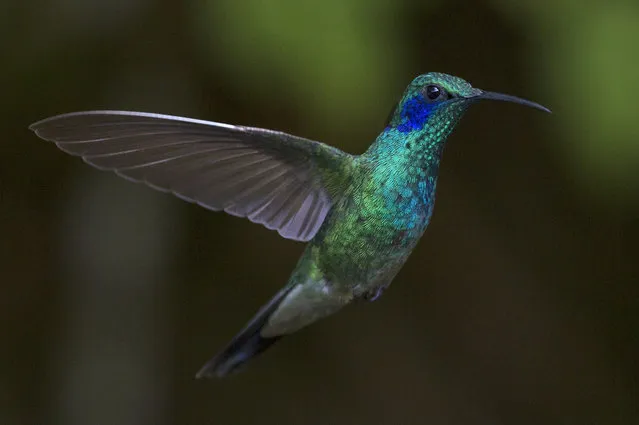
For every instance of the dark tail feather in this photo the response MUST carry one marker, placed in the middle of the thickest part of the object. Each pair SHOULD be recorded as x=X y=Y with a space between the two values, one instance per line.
x=246 y=344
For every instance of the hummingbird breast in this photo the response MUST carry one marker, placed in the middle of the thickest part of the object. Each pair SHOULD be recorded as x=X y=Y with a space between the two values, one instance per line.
x=371 y=231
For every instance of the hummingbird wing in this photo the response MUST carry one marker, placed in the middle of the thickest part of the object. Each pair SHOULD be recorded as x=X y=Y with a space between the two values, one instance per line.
x=282 y=181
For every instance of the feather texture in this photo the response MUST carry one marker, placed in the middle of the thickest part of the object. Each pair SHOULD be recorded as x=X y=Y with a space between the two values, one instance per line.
x=272 y=178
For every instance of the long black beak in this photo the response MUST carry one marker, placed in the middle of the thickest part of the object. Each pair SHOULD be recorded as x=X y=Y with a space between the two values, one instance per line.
x=508 y=98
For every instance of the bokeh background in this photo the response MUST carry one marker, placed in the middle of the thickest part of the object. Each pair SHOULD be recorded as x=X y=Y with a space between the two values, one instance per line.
x=519 y=306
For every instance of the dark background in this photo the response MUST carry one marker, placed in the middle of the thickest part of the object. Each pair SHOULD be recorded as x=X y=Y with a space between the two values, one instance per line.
x=519 y=306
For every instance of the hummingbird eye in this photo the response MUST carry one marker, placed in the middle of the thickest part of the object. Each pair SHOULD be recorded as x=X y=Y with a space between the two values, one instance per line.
x=435 y=93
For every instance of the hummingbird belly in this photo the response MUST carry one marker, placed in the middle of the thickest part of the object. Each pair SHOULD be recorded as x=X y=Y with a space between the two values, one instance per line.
x=363 y=251
x=350 y=259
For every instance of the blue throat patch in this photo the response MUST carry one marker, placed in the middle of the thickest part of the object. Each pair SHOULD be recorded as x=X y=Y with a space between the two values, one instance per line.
x=414 y=114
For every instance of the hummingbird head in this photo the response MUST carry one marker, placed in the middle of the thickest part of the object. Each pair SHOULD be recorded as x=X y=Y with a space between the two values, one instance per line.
x=440 y=100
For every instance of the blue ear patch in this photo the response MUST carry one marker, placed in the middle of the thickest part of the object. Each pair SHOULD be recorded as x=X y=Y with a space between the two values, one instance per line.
x=414 y=114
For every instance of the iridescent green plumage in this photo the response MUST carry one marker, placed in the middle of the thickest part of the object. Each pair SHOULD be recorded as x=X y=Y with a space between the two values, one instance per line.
x=362 y=214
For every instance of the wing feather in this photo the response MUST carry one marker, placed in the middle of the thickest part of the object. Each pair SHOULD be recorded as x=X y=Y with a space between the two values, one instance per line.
x=272 y=178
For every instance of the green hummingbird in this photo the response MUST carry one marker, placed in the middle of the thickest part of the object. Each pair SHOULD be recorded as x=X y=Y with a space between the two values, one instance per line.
x=361 y=214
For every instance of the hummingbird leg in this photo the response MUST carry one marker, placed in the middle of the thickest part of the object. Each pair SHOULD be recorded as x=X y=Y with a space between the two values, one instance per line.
x=371 y=296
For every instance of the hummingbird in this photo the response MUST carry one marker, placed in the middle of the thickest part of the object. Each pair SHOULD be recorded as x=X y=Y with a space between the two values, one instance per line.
x=362 y=215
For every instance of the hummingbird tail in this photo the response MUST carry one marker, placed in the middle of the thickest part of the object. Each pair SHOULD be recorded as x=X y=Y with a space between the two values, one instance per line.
x=246 y=344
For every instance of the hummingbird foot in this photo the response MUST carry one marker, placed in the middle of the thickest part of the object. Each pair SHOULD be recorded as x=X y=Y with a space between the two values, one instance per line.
x=371 y=296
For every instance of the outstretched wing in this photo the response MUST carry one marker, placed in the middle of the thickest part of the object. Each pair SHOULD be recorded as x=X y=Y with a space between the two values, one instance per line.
x=282 y=181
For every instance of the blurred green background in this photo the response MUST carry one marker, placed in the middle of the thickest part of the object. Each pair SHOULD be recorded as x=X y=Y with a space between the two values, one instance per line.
x=519 y=306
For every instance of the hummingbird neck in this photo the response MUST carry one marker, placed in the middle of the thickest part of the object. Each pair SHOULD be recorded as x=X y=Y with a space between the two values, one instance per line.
x=416 y=133
x=404 y=161
x=410 y=146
